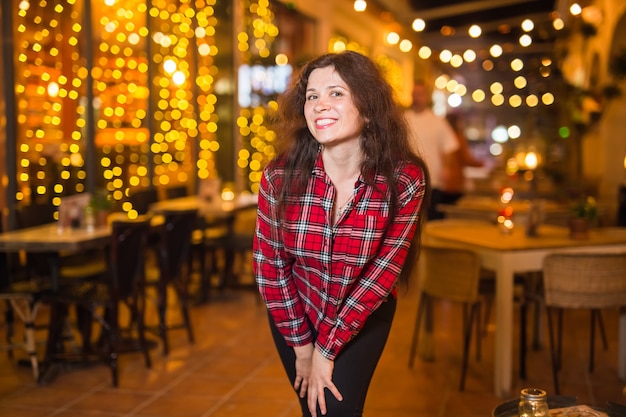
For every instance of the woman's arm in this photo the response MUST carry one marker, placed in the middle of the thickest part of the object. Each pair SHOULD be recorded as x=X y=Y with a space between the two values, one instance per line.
x=272 y=270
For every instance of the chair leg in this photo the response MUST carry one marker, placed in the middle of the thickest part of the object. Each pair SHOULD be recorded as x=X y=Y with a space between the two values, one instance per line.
x=523 y=340
x=560 y=338
x=9 y=319
x=416 y=329
x=553 y=353
x=27 y=311
x=479 y=330
x=605 y=343
x=139 y=310
x=467 y=338
x=592 y=335
x=183 y=297
x=161 y=310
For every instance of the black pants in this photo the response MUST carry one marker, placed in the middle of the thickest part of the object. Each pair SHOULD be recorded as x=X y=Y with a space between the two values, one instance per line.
x=354 y=366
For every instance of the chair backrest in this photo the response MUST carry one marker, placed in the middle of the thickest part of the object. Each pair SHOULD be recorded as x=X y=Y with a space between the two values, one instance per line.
x=34 y=214
x=127 y=254
x=585 y=280
x=142 y=199
x=176 y=191
x=450 y=273
x=175 y=241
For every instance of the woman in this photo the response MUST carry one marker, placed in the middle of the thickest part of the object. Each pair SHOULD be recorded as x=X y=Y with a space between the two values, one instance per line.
x=339 y=208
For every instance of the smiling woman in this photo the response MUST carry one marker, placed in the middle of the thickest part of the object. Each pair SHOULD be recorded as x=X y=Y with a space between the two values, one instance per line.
x=339 y=215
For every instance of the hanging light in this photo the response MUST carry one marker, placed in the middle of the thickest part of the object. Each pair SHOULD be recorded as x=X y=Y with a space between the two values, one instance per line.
x=360 y=5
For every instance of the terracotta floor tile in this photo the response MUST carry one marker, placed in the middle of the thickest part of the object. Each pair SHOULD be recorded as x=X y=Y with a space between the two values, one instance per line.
x=233 y=371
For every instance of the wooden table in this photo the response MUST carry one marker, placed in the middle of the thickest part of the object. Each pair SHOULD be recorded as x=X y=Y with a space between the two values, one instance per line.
x=515 y=253
x=50 y=239
x=486 y=209
x=215 y=207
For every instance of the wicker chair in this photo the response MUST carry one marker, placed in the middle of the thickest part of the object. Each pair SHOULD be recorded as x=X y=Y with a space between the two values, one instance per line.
x=593 y=281
x=450 y=274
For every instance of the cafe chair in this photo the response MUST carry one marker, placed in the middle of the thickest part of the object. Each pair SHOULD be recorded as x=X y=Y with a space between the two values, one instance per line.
x=21 y=297
x=237 y=245
x=142 y=199
x=174 y=244
x=121 y=284
x=591 y=281
x=451 y=274
x=177 y=191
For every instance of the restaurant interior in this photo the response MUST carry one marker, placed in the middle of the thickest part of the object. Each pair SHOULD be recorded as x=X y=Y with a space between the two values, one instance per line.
x=133 y=136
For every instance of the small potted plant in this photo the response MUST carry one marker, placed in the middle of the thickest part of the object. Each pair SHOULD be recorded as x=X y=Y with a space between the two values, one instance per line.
x=102 y=203
x=584 y=214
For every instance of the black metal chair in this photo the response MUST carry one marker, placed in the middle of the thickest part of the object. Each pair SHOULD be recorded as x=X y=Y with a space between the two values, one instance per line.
x=177 y=191
x=122 y=283
x=174 y=245
x=21 y=297
x=141 y=200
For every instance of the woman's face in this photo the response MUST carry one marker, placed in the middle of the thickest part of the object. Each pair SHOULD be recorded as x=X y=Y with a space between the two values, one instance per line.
x=329 y=109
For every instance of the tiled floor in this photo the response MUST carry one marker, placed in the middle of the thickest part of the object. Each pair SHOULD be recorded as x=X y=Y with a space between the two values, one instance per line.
x=233 y=371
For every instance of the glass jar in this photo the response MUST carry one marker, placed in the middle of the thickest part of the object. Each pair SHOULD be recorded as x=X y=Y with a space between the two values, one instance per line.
x=533 y=403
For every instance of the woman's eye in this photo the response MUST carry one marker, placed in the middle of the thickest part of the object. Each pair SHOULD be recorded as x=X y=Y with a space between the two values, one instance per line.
x=311 y=97
x=336 y=94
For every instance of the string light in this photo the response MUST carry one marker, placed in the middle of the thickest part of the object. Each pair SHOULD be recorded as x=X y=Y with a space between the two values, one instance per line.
x=360 y=5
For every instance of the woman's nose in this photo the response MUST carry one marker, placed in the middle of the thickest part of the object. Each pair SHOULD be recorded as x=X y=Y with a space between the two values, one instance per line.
x=321 y=104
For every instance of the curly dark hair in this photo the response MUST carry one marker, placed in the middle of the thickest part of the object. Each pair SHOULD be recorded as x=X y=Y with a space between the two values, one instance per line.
x=384 y=140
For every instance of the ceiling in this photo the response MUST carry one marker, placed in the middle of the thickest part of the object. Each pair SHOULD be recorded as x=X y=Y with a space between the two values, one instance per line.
x=499 y=20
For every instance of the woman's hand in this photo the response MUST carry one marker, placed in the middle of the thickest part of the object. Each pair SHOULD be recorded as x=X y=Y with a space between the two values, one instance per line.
x=321 y=377
x=304 y=355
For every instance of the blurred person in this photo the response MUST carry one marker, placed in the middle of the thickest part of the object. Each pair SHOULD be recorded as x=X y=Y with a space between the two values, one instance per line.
x=433 y=138
x=339 y=217
x=453 y=186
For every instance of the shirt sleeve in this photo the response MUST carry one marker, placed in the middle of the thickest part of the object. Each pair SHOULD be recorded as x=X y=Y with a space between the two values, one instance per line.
x=272 y=271
x=379 y=278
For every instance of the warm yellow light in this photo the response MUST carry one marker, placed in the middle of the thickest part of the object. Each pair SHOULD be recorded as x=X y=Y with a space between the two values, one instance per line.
x=496 y=88
x=475 y=31
x=425 y=52
x=575 y=9
x=445 y=56
x=456 y=60
x=53 y=89
x=525 y=40
x=515 y=100
x=360 y=5
x=469 y=55
x=478 y=96
x=532 y=100
x=406 y=45
x=547 y=99
x=520 y=82
x=497 y=100
x=418 y=25
x=528 y=25
x=517 y=64
x=281 y=60
x=392 y=38
x=558 y=24
x=531 y=160
x=514 y=131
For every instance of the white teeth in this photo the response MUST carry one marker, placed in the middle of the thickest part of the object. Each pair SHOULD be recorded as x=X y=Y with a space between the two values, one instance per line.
x=324 y=122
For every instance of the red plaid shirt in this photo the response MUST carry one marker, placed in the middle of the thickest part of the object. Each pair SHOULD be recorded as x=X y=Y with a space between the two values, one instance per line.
x=336 y=275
